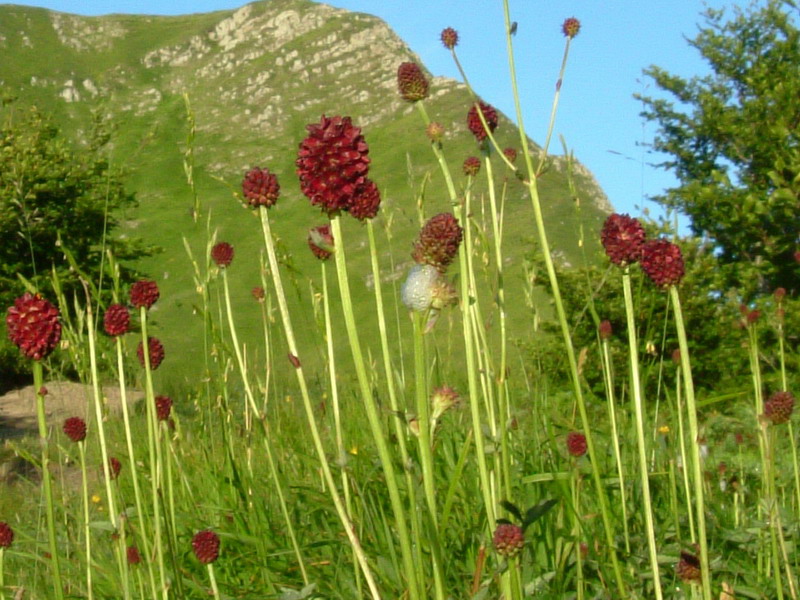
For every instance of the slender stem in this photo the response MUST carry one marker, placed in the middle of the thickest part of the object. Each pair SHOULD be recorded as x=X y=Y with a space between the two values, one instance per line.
x=697 y=467
x=2 y=582
x=644 y=476
x=213 y=581
x=38 y=382
x=312 y=422
x=87 y=531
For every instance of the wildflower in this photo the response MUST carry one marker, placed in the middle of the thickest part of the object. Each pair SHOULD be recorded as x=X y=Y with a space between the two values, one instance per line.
x=442 y=399
x=75 y=429
x=688 y=568
x=622 y=237
x=474 y=121
x=332 y=163
x=163 y=407
x=206 y=546
x=411 y=82
x=576 y=443
x=471 y=166
x=222 y=254
x=260 y=188
x=96 y=498
x=366 y=201
x=778 y=408
x=604 y=330
x=144 y=293
x=434 y=131
x=258 y=293
x=570 y=27
x=33 y=326
x=134 y=558
x=155 y=350
x=417 y=291
x=114 y=467
x=663 y=430
x=779 y=294
x=320 y=241
x=508 y=539
x=449 y=38
x=510 y=154
x=116 y=320
x=676 y=356
x=662 y=262
x=438 y=241
x=6 y=535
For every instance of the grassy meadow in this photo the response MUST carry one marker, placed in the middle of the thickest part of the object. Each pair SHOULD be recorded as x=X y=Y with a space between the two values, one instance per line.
x=376 y=426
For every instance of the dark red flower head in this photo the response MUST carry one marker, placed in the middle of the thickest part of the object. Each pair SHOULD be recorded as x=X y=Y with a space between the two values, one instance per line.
x=332 y=163
x=366 y=201
x=320 y=241
x=163 y=407
x=411 y=82
x=449 y=38
x=258 y=293
x=662 y=261
x=438 y=242
x=144 y=293
x=206 y=546
x=260 y=188
x=6 y=535
x=474 y=121
x=134 y=558
x=622 y=237
x=576 y=443
x=114 y=467
x=156 y=352
x=222 y=254
x=778 y=408
x=33 y=326
x=688 y=568
x=510 y=154
x=605 y=330
x=508 y=539
x=570 y=27
x=779 y=294
x=116 y=320
x=75 y=429
x=471 y=166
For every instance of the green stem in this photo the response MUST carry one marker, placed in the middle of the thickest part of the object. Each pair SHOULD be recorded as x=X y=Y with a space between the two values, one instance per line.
x=86 y=528
x=38 y=382
x=312 y=422
x=213 y=581
x=644 y=476
x=697 y=468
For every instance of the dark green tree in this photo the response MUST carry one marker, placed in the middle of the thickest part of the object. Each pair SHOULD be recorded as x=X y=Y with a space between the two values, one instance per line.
x=55 y=198
x=732 y=140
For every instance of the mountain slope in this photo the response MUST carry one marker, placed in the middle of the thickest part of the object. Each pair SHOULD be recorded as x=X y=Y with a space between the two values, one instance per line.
x=253 y=79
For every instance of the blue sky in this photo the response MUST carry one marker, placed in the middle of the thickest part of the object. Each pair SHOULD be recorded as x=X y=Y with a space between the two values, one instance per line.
x=598 y=116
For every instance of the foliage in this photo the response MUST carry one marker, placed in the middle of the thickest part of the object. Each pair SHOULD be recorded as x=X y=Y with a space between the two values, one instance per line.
x=55 y=199
x=731 y=138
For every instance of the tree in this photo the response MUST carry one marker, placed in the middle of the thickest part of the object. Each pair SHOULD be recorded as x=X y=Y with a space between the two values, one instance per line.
x=732 y=141
x=54 y=198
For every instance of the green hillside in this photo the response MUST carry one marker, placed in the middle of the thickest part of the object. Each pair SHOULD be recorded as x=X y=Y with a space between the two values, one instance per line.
x=254 y=78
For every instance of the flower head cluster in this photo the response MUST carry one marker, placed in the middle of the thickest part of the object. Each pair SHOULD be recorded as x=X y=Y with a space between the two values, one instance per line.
x=156 y=352
x=438 y=241
x=144 y=293
x=75 y=429
x=779 y=407
x=114 y=467
x=510 y=154
x=222 y=254
x=662 y=261
x=576 y=443
x=471 y=166
x=442 y=399
x=258 y=293
x=508 y=539
x=332 y=165
x=570 y=27
x=163 y=407
x=320 y=241
x=260 y=188
x=411 y=82
x=133 y=555
x=605 y=330
x=116 y=320
x=449 y=38
x=474 y=121
x=688 y=568
x=6 y=535
x=205 y=545
x=33 y=326
x=622 y=237
x=434 y=131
